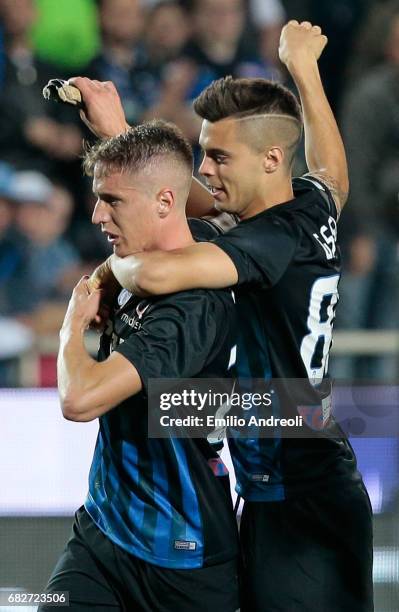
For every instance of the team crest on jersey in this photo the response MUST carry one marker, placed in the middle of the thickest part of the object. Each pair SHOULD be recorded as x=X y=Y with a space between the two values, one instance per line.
x=124 y=297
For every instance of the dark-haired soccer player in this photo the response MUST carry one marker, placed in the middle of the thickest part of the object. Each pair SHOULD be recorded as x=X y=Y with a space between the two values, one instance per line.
x=306 y=529
x=157 y=531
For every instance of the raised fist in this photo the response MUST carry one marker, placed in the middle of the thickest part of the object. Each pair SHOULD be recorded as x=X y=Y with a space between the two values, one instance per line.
x=301 y=42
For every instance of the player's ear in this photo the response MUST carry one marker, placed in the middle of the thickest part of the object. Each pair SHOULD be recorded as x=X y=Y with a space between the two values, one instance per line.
x=166 y=201
x=273 y=159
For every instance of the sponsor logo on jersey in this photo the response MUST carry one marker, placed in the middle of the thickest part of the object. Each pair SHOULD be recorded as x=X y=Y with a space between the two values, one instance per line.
x=131 y=321
x=134 y=320
x=184 y=545
x=141 y=308
x=260 y=477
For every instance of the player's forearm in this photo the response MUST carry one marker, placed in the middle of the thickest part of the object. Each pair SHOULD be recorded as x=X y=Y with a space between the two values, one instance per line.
x=324 y=148
x=146 y=273
x=74 y=372
x=200 y=266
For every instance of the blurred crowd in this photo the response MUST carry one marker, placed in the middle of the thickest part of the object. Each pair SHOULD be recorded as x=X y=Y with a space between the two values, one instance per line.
x=160 y=54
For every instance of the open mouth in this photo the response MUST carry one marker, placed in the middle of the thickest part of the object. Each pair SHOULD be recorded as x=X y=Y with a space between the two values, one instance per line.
x=112 y=238
x=216 y=191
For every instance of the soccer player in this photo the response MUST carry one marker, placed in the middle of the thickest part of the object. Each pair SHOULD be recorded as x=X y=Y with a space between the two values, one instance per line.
x=306 y=530
x=157 y=530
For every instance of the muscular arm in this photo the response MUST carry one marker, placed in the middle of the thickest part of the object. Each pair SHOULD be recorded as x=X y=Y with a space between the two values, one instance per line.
x=202 y=265
x=300 y=47
x=87 y=388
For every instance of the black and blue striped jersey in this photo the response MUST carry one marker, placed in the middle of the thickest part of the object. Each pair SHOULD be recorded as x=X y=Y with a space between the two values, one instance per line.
x=288 y=266
x=166 y=501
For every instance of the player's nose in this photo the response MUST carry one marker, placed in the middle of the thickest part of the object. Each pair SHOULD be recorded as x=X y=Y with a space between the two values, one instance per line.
x=207 y=167
x=100 y=213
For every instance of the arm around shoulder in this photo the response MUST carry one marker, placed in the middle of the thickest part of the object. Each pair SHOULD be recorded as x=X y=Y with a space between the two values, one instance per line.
x=202 y=265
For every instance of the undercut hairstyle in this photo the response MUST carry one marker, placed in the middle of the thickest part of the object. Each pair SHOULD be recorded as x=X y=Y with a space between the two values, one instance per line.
x=228 y=97
x=256 y=99
x=140 y=148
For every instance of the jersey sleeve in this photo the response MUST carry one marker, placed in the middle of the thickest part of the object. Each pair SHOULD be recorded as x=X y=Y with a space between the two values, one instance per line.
x=260 y=248
x=206 y=229
x=322 y=191
x=178 y=337
x=223 y=222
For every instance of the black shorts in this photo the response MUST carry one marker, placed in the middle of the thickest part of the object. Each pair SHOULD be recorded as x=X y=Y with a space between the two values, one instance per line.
x=312 y=554
x=102 y=577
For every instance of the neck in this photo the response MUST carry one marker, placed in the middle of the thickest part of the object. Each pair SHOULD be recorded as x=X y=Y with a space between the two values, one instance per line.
x=175 y=234
x=272 y=195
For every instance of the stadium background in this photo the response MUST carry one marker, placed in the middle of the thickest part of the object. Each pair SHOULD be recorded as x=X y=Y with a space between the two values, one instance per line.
x=160 y=55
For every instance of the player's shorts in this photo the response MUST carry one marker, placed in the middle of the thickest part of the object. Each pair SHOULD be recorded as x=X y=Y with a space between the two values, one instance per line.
x=102 y=577
x=312 y=554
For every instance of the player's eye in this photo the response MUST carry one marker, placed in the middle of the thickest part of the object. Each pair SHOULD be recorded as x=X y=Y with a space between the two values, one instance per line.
x=220 y=159
x=113 y=202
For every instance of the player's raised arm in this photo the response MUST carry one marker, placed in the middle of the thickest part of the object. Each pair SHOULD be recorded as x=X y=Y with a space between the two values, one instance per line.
x=102 y=107
x=104 y=116
x=301 y=45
